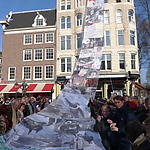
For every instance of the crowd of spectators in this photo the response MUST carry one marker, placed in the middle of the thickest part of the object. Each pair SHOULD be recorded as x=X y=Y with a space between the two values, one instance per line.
x=12 y=111
x=122 y=122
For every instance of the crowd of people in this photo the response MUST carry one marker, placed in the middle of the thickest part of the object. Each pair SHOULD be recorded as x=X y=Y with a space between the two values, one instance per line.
x=122 y=122
x=12 y=111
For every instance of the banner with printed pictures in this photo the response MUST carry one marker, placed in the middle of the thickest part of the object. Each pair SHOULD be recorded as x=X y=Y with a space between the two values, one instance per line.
x=86 y=72
x=65 y=124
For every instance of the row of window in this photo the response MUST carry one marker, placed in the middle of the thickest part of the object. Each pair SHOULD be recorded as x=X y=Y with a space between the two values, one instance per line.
x=37 y=72
x=120 y=37
x=66 y=4
x=119 y=16
x=106 y=61
x=66 y=21
x=38 y=54
x=38 y=38
x=66 y=39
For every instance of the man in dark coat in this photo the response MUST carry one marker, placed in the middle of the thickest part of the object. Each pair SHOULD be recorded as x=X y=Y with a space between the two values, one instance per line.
x=123 y=115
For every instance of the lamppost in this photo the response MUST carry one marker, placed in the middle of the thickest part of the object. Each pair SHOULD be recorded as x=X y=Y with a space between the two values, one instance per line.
x=16 y=87
x=24 y=87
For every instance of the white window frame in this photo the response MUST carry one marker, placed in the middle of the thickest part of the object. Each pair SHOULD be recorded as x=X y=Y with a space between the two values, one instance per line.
x=133 y=61
x=121 y=62
x=66 y=40
x=35 y=38
x=131 y=16
x=78 y=40
x=50 y=34
x=132 y=37
x=68 y=4
x=106 y=17
x=52 y=72
x=66 y=65
x=26 y=37
x=106 y=37
x=35 y=72
x=23 y=72
x=78 y=3
x=79 y=21
x=51 y=49
x=10 y=75
x=120 y=35
x=119 y=14
x=24 y=52
x=35 y=53
x=65 y=23
x=65 y=4
x=106 y=60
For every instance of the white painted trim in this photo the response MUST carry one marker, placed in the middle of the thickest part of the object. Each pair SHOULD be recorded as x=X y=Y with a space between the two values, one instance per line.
x=113 y=76
x=28 y=30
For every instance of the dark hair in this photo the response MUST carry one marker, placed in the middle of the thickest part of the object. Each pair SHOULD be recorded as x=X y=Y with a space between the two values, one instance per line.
x=3 y=110
x=118 y=97
x=133 y=130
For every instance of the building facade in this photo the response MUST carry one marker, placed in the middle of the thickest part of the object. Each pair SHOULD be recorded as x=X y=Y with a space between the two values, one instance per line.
x=29 y=52
x=120 y=65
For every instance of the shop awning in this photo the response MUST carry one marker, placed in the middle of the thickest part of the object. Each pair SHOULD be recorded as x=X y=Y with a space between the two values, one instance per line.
x=33 y=88
x=139 y=86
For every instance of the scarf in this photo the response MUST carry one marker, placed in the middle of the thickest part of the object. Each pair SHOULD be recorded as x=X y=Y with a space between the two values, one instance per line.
x=14 y=117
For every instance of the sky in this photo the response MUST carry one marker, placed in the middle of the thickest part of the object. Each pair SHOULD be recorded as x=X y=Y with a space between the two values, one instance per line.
x=22 y=5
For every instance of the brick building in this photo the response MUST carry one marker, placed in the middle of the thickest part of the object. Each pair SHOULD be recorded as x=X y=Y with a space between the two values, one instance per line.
x=29 y=52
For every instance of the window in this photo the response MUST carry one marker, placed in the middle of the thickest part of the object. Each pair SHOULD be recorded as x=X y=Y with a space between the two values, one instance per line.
x=120 y=37
x=106 y=62
x=26 y=73
x=27 y=55
x=65 y=22
x=49 y=71
x=122 y=61
x=118 y=1
x=12 y=73
x=79 y=3
x=0 y=69
x=79 y=40
x=68 y=4
x=130 y=15
x=49 y=53
x=119 y=16
x=129 y=1
x=105 y=1
x=106 y=16
x=107 y=38
x=38 y=54
x=65 y=64
x=62 y=4
x=66 y=42
x=65 y=4
x=132 y=37
x=49 y=37
x=79 y=19
x=39 y=21
x=133 y=61
x=0 y=60
x=28 y=39
x=38 y=38
x=37 y=72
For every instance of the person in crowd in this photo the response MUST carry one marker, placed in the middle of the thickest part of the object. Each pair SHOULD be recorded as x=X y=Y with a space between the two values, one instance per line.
x=2 y=101
x=122 y=115
x=45 y=103
x=12 y=113
x=102 y=126
x=4 y=125
x=146 y=124
x=143 y=112
x=91 y=106
x=29 y=108
x=21 y=111
x=7 y=102
x=130 y=103
x=136 y=134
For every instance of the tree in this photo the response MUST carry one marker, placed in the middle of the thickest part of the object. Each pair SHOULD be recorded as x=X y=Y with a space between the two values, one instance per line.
x=143 y=31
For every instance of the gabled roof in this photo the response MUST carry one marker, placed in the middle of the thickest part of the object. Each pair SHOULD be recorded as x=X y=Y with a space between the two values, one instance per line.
x=26 y=19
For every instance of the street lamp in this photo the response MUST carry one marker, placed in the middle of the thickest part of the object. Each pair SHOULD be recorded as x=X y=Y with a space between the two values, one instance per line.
x=16 y=87
x=24 y=87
